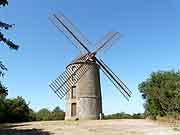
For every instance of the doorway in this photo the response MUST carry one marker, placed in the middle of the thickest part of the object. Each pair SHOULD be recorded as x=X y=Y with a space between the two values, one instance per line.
x=73 y=109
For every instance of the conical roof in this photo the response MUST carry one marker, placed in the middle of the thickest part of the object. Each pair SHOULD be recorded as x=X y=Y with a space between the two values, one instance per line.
x=80 y=58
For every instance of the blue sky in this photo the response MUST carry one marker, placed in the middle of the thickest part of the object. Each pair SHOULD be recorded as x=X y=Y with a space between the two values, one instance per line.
x=149 y=43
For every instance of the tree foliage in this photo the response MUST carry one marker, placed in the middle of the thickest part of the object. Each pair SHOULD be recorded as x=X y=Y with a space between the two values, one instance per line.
x=3 y=91
x=2 y=69
x=57 y=114
x=6 y=26
x=3 y=2
x=123 y=115
x=7 y=42
x=44 y=114
x=162 y=94
x=17 y=110
x=13 y=110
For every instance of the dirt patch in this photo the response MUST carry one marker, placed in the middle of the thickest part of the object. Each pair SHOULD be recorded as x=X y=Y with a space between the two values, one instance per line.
x=103 y=127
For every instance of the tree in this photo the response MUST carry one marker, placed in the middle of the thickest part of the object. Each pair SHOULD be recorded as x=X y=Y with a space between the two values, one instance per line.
x=43 y=114
x=7 y=42
x=161 y=93
x=32 y=115
x=3 y=91
x=14 y=110
x=17 y=110
x=123 y=115
x=2 y=69
x=3 y=94
x=138 y=116
x=6 y=26
x=57 y=114
x=3 y=2
x=2 y=110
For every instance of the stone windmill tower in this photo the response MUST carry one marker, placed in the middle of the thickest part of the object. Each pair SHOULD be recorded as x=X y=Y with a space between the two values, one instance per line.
x=80 y=83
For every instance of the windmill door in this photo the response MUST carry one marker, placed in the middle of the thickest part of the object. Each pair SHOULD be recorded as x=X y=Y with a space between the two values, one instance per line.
x=73 y=109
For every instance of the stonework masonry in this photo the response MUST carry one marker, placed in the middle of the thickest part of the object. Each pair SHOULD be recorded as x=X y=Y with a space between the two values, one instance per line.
x=84 y=100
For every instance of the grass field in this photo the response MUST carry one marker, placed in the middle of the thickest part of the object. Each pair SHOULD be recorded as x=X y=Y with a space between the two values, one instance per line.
x=100 y=127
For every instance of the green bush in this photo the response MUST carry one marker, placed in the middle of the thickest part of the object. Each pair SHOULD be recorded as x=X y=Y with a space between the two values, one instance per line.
x=13 y=110
x=123 y=115
x=17 y=110
x=57 y=114
x=43 y=114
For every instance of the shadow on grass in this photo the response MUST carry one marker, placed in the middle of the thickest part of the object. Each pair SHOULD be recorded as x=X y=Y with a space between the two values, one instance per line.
x=8 y=129
x=5 y=126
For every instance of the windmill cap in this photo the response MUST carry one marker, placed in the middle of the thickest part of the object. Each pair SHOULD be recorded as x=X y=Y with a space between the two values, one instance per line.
x=82 y=58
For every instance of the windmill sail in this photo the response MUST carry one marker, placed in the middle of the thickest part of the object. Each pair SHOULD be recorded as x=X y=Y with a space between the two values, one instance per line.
x=114 y=79
x=107 y=41
x=117 y=78
x=70 y=31
x=63 y=83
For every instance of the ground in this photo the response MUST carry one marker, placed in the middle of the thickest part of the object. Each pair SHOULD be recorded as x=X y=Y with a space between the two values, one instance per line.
x=95 y=127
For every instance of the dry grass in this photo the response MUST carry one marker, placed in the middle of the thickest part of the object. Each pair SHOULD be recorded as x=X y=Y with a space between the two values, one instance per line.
x=104 y=127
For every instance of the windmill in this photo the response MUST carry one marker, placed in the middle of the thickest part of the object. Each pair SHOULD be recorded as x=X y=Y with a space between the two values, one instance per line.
x=80 y=82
